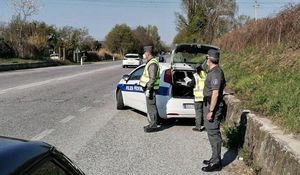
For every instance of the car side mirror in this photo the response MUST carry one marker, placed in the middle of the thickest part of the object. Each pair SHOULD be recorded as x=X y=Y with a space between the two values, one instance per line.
x=125 y=77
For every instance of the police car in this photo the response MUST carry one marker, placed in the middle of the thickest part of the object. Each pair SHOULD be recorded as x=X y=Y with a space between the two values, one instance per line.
x=174 y=98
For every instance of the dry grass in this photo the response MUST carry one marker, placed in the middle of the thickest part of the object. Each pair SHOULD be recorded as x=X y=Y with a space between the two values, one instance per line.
x=266 y=33
x=262 y=65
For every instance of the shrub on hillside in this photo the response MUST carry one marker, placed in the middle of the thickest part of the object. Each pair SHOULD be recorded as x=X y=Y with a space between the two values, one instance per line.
x=100 y=55
x=265 y=33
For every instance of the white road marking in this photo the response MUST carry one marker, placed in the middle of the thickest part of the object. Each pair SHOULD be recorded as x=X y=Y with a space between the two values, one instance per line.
x=67 y=119
x=3 y=91
x=42 y=134
x=84 y=109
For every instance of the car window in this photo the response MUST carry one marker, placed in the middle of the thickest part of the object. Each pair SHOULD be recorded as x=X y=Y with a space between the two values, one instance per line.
x=48 y=168
x=136 y=75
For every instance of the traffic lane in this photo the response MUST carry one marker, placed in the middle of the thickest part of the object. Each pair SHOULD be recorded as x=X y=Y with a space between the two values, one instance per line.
x=122 y=147
x=27 y=112
x=12 y=79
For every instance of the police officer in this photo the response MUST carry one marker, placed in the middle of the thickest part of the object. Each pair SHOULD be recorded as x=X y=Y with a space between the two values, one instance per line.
x=150 y=83
x=213 y=93
x=198 y=83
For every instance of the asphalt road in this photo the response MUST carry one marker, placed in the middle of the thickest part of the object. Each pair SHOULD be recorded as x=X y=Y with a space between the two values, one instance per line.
x=74 y=108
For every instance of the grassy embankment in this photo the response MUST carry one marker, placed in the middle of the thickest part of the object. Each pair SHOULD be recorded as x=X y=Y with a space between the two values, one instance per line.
x=262 y=66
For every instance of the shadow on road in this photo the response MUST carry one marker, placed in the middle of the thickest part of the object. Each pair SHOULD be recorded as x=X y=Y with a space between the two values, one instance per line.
x=166 y=124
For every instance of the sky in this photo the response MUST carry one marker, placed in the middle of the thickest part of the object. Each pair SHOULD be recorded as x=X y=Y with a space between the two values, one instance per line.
x=100 y=16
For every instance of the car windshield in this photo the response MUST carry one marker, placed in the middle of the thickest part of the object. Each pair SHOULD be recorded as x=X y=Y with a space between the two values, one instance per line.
x=185 y=57
x=191 y=53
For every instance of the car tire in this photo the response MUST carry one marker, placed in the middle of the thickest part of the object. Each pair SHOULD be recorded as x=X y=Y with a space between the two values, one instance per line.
x=123 y=66
x=120 y=103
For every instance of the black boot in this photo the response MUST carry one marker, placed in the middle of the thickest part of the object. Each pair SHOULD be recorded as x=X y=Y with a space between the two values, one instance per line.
x=150 y=129
x=206 y=162
x=212 y=167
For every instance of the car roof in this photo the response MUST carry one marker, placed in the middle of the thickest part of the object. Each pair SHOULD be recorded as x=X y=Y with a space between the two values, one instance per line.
x=14 y=153
x=132 y=54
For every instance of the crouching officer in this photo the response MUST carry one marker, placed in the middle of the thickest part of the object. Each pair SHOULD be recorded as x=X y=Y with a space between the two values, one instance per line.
x=213 y=93
x=198 y=83
x=150 y=83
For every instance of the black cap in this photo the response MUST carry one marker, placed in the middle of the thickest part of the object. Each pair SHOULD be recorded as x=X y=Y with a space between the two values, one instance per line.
x=148 y=49
x=214 y=55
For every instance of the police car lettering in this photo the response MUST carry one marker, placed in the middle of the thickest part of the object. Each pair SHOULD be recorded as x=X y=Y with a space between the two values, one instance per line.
x=134 y=88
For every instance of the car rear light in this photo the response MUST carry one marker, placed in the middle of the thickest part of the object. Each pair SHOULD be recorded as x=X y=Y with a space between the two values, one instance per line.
x=168 y=76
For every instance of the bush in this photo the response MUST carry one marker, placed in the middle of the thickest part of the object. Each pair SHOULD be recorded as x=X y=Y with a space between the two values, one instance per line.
x=6 y=49
x=102 y=54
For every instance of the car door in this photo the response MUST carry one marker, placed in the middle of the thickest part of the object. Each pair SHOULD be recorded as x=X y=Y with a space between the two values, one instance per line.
x=133 y=93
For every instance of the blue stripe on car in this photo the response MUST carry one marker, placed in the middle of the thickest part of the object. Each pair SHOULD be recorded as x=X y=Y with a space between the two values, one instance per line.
x=163 y=91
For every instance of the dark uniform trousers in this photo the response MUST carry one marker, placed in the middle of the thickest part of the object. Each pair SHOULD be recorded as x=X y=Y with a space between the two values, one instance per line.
x=199 y=114
x=213 y=131
x=152 y=110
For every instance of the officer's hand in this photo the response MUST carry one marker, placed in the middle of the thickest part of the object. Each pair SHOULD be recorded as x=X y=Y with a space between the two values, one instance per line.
x=210 y=117
x=147 y=93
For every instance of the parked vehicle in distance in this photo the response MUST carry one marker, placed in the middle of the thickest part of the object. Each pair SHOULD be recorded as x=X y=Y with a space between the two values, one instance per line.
x=21 y=157
x=54 y=56
x=132 y=59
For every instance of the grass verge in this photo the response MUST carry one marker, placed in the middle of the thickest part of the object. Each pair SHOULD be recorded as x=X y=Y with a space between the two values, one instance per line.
x=268 y=81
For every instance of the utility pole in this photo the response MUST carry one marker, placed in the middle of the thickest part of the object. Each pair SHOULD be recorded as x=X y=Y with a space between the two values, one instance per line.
x=256 y=6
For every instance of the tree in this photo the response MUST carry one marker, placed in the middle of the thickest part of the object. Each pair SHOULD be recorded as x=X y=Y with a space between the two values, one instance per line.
x=142 y=37
x=121 y=40
x=152 y=32
x=203 y=20
x=23 y=9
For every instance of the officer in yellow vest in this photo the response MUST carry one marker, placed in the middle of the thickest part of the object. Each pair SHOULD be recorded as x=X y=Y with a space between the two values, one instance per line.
x=198 y=84
x=150 y=83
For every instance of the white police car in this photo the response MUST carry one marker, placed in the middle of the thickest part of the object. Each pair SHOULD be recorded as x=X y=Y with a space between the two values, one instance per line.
x=174 y=98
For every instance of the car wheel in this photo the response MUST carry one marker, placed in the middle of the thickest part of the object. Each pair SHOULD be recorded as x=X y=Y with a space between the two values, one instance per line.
x=123 y=66
x=120 y=103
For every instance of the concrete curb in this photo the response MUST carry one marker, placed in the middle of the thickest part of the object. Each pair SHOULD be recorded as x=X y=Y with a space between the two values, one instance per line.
x=8 y=67
x=274 y=151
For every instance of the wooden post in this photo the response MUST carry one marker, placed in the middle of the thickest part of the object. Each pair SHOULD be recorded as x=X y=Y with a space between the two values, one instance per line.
x=64 y=53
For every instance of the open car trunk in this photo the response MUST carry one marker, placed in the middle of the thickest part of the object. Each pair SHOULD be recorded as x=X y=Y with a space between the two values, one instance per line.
x=184 y=60
x=179 y=87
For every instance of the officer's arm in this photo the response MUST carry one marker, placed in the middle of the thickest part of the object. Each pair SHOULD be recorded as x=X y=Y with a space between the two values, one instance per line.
x=214 y=99
x=152 y=75
x=215 y=85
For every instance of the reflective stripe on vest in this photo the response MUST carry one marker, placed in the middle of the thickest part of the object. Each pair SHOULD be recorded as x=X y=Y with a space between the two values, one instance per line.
x=145 y=77
x=199 y=86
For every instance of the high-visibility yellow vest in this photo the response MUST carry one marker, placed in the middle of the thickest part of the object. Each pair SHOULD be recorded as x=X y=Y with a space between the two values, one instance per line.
x=145 y=77
x=199 y=86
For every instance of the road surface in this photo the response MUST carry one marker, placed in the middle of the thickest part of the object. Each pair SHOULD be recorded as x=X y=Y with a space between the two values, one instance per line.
x=74 y=108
